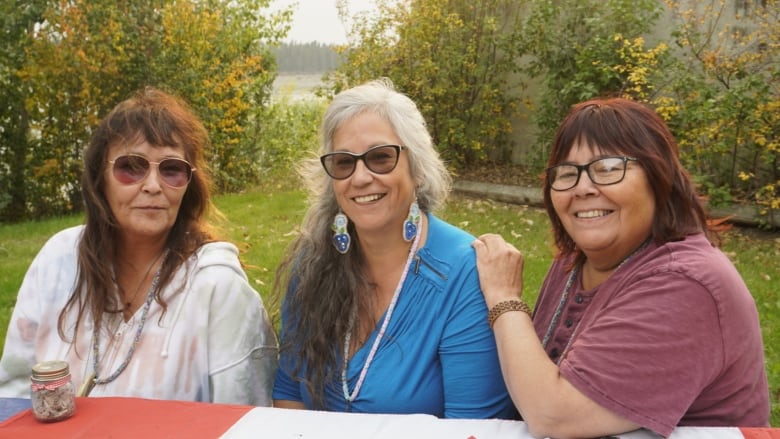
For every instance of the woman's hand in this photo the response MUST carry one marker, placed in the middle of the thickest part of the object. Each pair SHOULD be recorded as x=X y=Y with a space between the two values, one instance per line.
x=500 y=267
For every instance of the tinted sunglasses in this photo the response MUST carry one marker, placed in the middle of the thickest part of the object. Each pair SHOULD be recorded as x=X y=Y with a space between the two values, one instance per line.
x=380 y=159
x=132 y=169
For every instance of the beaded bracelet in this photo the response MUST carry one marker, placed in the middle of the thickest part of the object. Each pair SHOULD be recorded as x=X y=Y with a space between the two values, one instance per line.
x=508 y=305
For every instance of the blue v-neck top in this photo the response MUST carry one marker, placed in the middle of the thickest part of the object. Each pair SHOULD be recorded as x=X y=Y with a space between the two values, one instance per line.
x=438 y=355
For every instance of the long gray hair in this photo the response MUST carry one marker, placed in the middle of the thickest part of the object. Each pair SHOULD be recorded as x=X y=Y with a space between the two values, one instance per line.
x=320 y=286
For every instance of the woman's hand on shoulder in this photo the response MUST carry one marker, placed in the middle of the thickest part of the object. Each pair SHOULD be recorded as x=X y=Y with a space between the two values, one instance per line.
x=500 y=267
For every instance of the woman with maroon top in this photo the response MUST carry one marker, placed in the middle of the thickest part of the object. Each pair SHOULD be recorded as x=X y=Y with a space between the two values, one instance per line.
x=641 y=321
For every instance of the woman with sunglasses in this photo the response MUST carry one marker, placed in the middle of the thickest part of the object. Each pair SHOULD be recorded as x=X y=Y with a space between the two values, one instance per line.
x=641 y=321
x=142 y=300
x=383 y=312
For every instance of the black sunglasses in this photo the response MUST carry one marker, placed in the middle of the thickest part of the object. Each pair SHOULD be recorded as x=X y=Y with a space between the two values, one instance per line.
x=131 y=169
x=380 y=159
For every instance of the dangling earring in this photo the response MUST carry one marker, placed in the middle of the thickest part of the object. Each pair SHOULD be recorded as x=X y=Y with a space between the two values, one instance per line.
x=341 y=238
x=410 y=225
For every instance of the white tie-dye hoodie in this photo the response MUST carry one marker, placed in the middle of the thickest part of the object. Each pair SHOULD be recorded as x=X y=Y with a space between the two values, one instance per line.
x=215 y=343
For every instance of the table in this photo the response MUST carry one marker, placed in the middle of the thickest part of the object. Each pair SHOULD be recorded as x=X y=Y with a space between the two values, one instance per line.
x=119 y=418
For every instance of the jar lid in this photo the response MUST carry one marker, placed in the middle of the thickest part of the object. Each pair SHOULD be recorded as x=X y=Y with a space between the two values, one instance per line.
x=50 y=370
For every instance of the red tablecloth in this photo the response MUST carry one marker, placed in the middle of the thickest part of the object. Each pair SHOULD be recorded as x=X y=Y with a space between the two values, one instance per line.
x=130 y=418
x=143 y=418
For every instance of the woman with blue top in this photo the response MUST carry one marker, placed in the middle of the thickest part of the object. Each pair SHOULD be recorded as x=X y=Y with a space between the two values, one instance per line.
x=382 y=309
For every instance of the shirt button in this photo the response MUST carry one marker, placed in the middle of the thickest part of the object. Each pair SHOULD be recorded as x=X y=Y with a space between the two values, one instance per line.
x=568 y=323
x=554 y=353
x=578 y=298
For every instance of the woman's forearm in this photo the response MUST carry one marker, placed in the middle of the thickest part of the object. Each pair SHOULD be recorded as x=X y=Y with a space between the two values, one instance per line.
x=548 y=403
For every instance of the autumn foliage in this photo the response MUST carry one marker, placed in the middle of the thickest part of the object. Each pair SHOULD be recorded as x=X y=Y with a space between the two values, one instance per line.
x=68 y=62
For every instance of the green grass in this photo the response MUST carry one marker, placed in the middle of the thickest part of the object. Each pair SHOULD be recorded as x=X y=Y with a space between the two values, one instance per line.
x=264 y=220
x=19 y=243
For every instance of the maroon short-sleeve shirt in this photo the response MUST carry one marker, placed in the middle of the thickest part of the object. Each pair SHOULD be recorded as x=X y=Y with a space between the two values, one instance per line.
x=671 y=338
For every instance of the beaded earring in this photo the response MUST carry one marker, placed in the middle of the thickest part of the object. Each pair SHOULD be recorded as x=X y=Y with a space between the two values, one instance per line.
x=341 y=238
x=410 y=225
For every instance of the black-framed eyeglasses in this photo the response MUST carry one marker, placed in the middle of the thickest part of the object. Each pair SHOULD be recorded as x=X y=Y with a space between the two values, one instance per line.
x=132 y=168
x=380 y=159
x=603 y=171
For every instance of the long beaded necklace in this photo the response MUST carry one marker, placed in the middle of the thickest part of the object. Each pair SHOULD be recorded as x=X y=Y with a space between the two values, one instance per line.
x=94 y=379
x=565 y=296
x=352 y=396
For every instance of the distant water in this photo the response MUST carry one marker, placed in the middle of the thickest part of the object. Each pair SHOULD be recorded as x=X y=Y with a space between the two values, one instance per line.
x=297 y=86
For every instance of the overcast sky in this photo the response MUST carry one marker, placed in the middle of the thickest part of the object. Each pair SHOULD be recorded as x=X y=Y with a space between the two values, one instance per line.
x=318 y=20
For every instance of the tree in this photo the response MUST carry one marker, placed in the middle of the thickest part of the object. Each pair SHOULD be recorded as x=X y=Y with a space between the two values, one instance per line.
x=724 y=98
x=87 y=55
x=580 y=49
x=17 y=23
x=228 y=76
x=83 y=60
x=312 y=57
x=454 y=58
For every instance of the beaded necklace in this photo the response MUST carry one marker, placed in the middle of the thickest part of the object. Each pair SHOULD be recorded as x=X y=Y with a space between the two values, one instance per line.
x=345 y=387
x=93 y=379
x=565 y=296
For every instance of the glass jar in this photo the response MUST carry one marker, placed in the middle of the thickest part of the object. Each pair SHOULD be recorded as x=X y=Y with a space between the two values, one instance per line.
x=52 y=393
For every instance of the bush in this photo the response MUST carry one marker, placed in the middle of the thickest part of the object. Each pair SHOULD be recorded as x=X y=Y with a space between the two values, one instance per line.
x=287 y=132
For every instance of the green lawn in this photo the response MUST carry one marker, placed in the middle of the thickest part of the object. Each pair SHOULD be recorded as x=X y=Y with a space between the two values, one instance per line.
x=263 y=221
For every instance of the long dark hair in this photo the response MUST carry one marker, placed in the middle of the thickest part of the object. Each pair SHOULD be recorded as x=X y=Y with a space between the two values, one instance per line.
x=621 y=126
x=162 y=120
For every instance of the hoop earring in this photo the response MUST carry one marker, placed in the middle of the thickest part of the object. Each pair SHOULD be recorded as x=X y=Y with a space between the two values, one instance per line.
x=410 y=225
x=341 y=239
